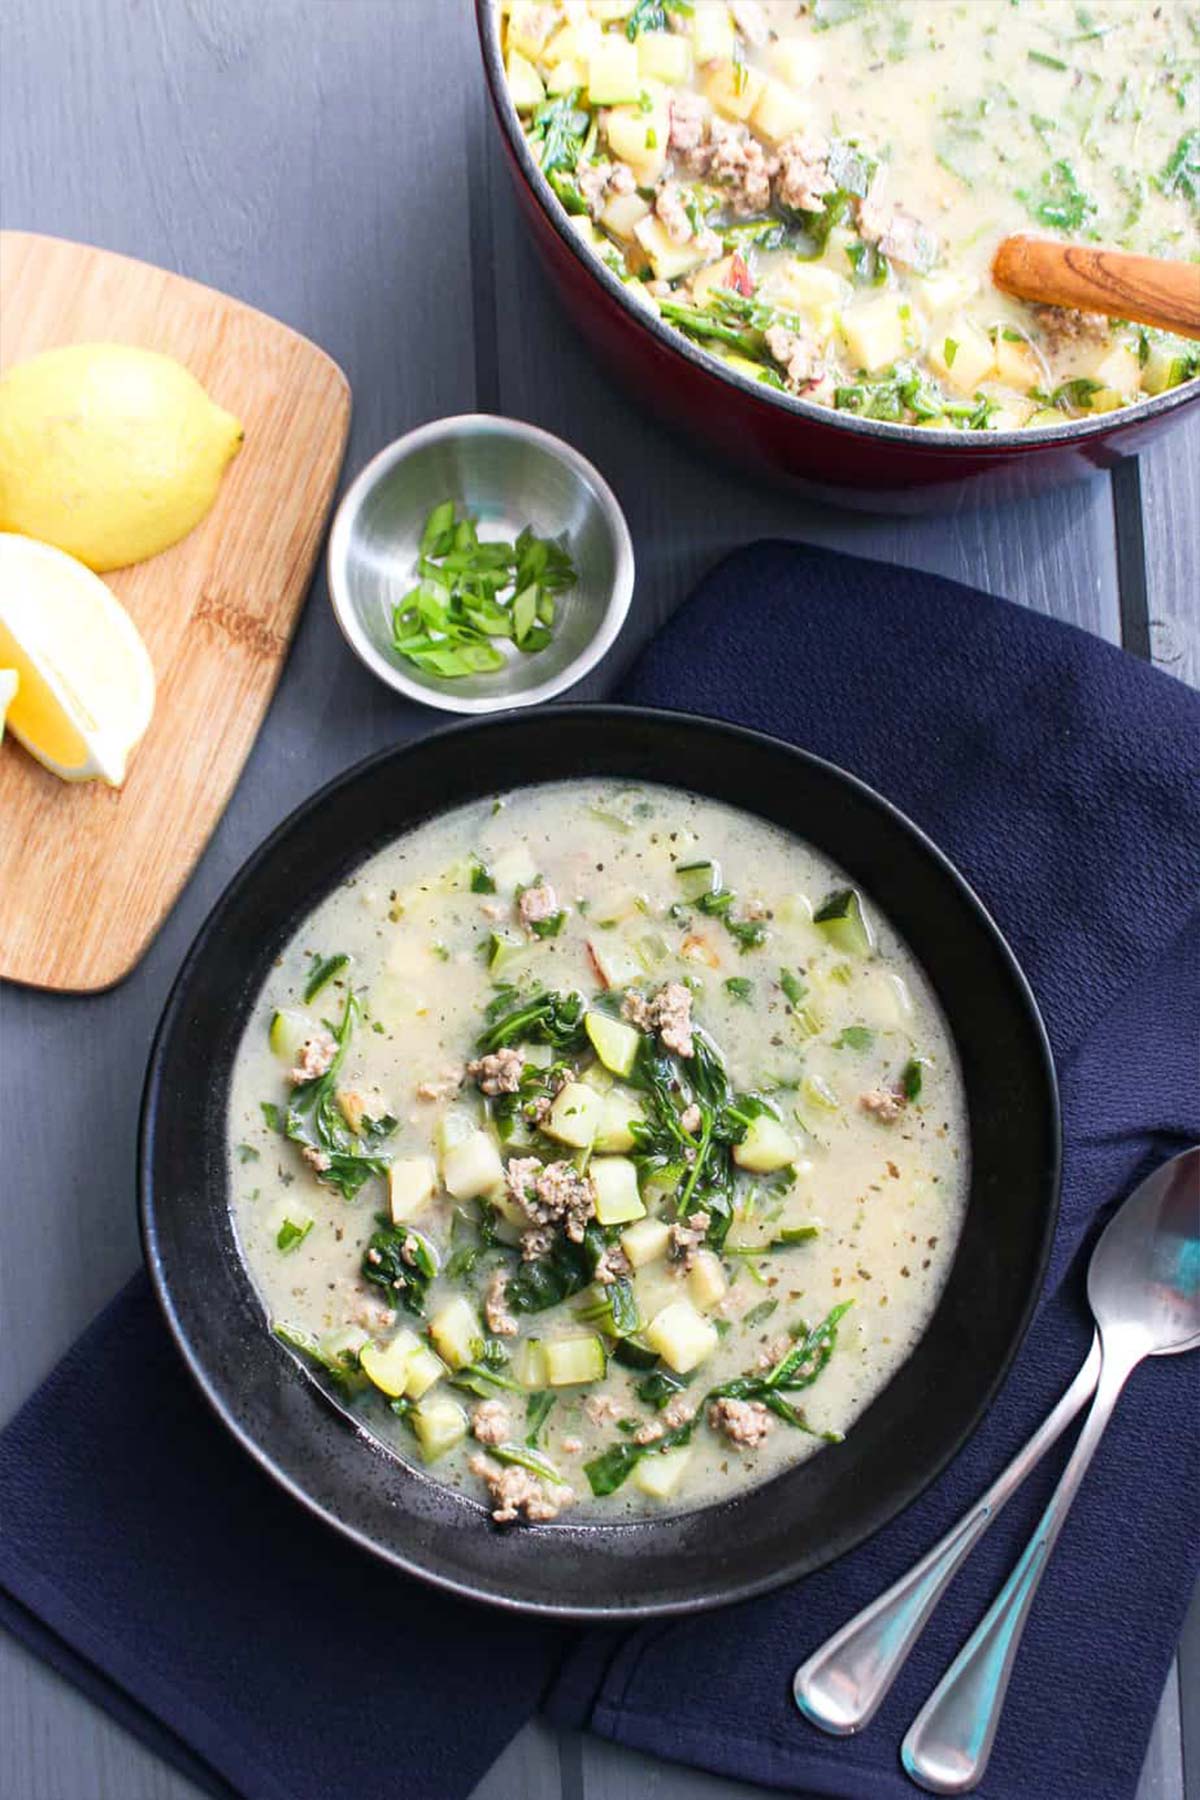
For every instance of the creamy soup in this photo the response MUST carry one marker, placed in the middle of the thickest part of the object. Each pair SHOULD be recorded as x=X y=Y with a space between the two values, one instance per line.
x=813 y=190
x=598 y=1145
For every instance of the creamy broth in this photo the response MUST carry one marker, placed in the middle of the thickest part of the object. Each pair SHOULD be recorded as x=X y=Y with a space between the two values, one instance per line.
x=813 y=190
x=817 y=1040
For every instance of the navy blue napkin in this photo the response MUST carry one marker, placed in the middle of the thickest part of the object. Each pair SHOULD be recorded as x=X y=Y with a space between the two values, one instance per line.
x=145 y=1557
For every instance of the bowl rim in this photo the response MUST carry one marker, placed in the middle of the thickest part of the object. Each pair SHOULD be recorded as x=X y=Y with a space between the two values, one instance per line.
x=1043 y=437
x=466 y=425
x=174 y=1020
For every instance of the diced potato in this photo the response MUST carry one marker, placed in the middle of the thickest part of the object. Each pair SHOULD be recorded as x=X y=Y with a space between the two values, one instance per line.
x=806 y=286
x=455 y=1332
x=622 y=213
x=424 y=1368
x=529 y=1363
x=472 y=1167
x=665 y=56
x=615 y=1181
x=874 y=333
x=963 y=357
x=514 y=868
x=1016 y=364
x=456 y=1124
x=565 y=76
x=797 y=61
x=765 y=1147
x=412 y=1183
x=598 y=1077
x=713 y=37
x=638 y=294
x=734 y=88
x=613 y=76
x=439 y=1423
x=575 y=1116
x=573 y=44
x=1119 y=369
x=943 y=291
x=645 y=1241
x=609 y=11
x=640 y=139
x=779 y=111
x=387 y=1365
x=659 y=1475
x=614 y=962
x=706 y=1281
x=621 y=1110
x=681 y=1336
x=572 y=1360
x=667 y=258
x=716 y=275
x=661 y=1185
x=529 y=26
x=524 y=82
x=615 y=1042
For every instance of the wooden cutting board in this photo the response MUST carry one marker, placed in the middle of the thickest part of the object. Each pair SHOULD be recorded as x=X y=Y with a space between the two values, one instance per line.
x=88 y=873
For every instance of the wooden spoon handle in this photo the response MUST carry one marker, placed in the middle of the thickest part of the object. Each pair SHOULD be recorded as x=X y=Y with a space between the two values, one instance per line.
x=1146 y=288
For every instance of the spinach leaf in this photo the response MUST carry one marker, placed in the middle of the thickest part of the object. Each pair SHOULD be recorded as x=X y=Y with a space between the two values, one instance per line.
x=539 y=1018
x=1181 y=173
x=608 y=1471
x=314 y=1120
x=402 y=1261
x=537 y=1411
x=1059 y=201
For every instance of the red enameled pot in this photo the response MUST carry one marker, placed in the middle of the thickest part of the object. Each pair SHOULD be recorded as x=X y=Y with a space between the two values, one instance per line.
x=854 y=461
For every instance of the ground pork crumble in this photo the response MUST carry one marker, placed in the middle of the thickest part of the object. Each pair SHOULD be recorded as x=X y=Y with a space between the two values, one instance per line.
x=612 y=1265
x=884 y=1104
x=744 y=1422
x=491 y=1422
x=448 y=1082
x=495 y=1306
x=537 y=904
x=517 y=1494
x=556 y=1194
x=669 y=1013
x=687 y=1239
x=499 y=1073
x=316 y=1058
x=803 y=180
x=798 y=355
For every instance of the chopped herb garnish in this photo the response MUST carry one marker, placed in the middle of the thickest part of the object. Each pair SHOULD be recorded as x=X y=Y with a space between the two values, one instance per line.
x=738 y=987
x=246 y=1153
x=1046 y=60
x=482 y=879
x=911 y=1077
x=292 y=1233
x=1181 y=174
x=1059 y=201
x=854 y=1037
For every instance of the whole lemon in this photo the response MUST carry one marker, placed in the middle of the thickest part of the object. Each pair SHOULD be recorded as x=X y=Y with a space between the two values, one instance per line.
x=109 y=452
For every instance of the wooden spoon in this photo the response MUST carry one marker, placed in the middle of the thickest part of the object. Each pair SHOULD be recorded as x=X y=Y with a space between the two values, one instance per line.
x=1149 y=289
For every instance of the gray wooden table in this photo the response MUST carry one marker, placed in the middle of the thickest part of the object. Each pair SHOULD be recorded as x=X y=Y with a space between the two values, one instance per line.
x=330 y=161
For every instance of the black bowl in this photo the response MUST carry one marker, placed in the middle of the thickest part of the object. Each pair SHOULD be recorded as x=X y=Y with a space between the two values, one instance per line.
x=771 y=1534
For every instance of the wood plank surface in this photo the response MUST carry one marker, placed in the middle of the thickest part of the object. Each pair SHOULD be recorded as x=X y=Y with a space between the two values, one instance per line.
x=87 y=872
x=330 y=161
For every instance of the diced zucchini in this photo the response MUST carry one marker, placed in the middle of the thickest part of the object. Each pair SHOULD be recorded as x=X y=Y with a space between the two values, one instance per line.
x=472 y=1167
x=622 y=213
x=706 y=1281
x=539 y=1055
x=640 y=139
x=698 y=878
x=615 y=1043
x=734 y=88
x=615 y=1181
x=455 y=1331
x=1119 y=370
x=645 y=1241
x=663 y=1184
x=290 y=1031
x=765 y=1147
x=961 y=355
x=621 y=1110
x=529 y=1363
x=874 y=332
x=1165 y=368
x=614 y=963
x=571 y=1361
x=524 y=82
x=597 y=1076
x=682 y=1337
x=712 y=32
x=841 y=920
x=504 y=949
x=387 y=1365
x=632 y=1353
x=574 y=43
x=454 y=1126
x=779 y=111
x=667 y=258
x=412 y=1182
x=424 y=1368
x=344 y=1340
x=613 y=77
x=575 y=1116
x=664 y=56
x=1016 y=364
x=659 y=1475
x=439 y=1423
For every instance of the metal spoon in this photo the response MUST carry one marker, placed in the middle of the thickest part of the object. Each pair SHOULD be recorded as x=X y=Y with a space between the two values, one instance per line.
x=841 y=1685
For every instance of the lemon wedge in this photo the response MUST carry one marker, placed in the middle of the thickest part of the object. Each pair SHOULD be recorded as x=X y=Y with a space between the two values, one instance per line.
x=108 y=451
x=10 y=681
x=84 y=688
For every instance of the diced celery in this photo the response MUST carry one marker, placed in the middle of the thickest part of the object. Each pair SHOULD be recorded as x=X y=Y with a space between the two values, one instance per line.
x=571 y=1361
x=615 y=1043
x=387 y=1365
x=412 y=1181
x=659 y=1475
x=614 y=1179
x=439 y=1423
x=455 y=1332
x=841 y=919
x=682 y=1337
x=645 y=1241
x=765 y=1147
x=575 y=1116
x=472 y=1167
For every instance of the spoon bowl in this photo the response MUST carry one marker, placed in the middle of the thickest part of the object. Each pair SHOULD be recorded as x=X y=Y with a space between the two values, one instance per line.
x=1144 y=1275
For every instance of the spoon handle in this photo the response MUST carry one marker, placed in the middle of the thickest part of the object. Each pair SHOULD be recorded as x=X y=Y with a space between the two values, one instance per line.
x=842 y=1684
x=950 y=1740
x=1150 y=289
